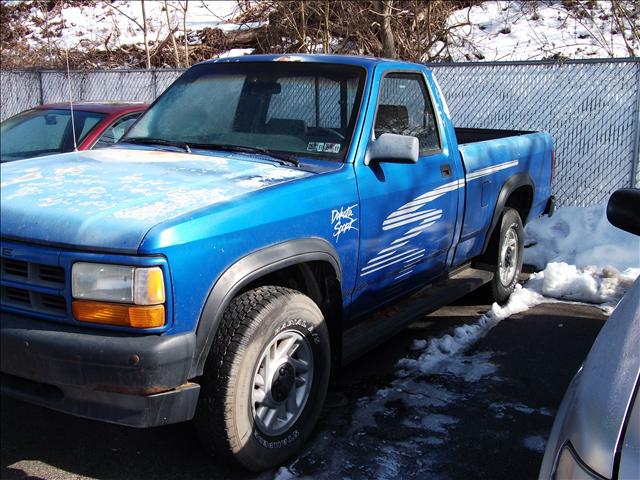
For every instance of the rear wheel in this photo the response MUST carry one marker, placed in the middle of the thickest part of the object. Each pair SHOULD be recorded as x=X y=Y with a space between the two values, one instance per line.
x=265 y=379
x=510 y=253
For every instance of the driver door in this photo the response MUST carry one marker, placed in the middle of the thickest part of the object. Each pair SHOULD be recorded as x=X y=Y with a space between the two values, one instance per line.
x=408 y=211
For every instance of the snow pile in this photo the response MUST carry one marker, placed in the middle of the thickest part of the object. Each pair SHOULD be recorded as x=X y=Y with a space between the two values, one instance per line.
x=580 y=236
x=524 y=30
x=604 y=287
x=585 y=258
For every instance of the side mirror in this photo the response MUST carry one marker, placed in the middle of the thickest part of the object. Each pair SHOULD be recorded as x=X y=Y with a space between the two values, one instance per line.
x=392 y=148
x=623 y=211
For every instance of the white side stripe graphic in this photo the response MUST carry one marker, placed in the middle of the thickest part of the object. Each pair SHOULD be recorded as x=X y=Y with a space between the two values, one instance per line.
x=403 y=274
x=415 y=255
x=412 y=214
x=389 y=259
x=425 y=198
x=483 y=172
x=382 y=256
x=414 y=232
x=430 y=214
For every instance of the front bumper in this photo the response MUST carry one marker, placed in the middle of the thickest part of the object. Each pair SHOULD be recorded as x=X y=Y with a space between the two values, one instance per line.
x=134 y=380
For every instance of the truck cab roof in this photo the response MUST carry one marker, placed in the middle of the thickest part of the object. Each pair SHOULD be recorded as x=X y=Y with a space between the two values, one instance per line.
x=366 y=62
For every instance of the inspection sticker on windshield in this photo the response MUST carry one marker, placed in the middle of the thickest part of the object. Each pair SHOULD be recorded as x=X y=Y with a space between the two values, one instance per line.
x=323 y=147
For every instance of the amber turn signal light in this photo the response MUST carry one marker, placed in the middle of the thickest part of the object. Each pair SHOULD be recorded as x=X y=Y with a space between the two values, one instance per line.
x=136 y=316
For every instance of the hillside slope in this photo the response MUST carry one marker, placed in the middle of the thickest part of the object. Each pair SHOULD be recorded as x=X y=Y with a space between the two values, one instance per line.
x=99 y=33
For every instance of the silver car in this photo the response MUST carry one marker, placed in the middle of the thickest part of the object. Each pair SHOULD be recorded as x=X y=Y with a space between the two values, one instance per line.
x=596 y=432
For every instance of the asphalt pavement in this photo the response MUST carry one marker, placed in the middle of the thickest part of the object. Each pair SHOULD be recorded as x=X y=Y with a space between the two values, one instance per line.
x=486 y=415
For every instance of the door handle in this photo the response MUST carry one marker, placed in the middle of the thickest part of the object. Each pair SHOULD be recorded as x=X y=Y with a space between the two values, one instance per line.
x=445 y=170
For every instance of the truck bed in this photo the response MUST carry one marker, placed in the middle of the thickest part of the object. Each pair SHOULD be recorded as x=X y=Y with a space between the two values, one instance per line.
x=490 y=158
x=474 y=135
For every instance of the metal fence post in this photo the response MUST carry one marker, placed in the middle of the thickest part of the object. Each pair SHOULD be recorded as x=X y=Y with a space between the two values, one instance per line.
x=154 y=79
x=635 y=157
x=40 y=88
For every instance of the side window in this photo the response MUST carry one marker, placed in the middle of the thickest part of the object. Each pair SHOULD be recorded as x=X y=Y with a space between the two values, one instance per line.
x=114 y=132
x=404 y=108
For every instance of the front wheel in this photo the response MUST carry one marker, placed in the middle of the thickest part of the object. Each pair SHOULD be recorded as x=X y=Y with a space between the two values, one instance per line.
x=265 y=379
x=510 y=253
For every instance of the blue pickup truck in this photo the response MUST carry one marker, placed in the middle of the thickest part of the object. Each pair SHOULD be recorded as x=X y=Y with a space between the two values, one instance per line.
x=267 y=219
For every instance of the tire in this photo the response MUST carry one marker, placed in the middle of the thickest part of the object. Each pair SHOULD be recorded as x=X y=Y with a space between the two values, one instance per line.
x=233 y=419
x=508 y=256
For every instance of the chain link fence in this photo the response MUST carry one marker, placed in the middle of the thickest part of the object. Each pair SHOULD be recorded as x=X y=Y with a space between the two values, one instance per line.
x=591 y=108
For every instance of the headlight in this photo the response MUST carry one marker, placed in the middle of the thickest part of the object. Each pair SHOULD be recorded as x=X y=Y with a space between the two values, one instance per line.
x=569 y=467
x=118 y=295
x=117 y=283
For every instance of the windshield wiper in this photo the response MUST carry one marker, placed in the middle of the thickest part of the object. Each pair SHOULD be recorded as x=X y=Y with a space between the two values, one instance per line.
x=282 y=157
x=156 y=141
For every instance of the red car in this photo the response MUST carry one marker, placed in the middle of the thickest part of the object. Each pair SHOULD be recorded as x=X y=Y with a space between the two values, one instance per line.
x=47 y=129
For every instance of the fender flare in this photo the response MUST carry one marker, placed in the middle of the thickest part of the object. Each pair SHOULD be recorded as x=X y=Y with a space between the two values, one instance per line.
x=513 y=183
x=246 y=270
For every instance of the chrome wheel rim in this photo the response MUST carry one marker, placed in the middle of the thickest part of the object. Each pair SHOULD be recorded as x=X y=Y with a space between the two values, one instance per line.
x=281 y=382
x=508 y=257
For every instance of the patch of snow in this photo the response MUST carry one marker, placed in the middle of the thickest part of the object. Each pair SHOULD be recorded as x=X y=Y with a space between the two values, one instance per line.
x=236 y=52
x=433 y=422
x=535 y=443
x=388 y=466
x=118 y=23
x=585 y=258
x=604 y=286
x=283 y=473
x=501 y=407
x=524 y=30
x=580 y=236
x=439 y=352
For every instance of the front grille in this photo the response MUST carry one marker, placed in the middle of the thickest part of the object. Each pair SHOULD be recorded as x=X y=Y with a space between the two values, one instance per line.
x=33 y=273
x=24 y=276
x=47 y=273
x=33 y=301
x=16 y=296
x=14 y=268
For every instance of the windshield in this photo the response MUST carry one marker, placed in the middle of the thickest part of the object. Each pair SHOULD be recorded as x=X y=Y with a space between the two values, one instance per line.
x=304 y=109
x=43 y=132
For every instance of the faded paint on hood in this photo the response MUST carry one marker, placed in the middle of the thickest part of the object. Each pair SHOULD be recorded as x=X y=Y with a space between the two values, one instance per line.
x=110 y=198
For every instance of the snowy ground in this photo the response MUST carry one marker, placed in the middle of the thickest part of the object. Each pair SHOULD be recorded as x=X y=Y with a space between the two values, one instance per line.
x=119 y=22
x=524 y=30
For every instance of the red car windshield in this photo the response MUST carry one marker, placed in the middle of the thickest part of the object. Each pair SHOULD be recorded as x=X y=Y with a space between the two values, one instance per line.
x=44 y=132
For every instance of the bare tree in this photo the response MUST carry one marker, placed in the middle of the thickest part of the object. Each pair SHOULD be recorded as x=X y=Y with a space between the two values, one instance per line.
x=625 y=20
x=142 y=26
x=144 y=32
x=172 y=32
x=184 y=7
x=384 y=8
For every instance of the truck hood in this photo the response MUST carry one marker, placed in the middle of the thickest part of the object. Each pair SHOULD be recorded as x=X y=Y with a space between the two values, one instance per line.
x=109 y=199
